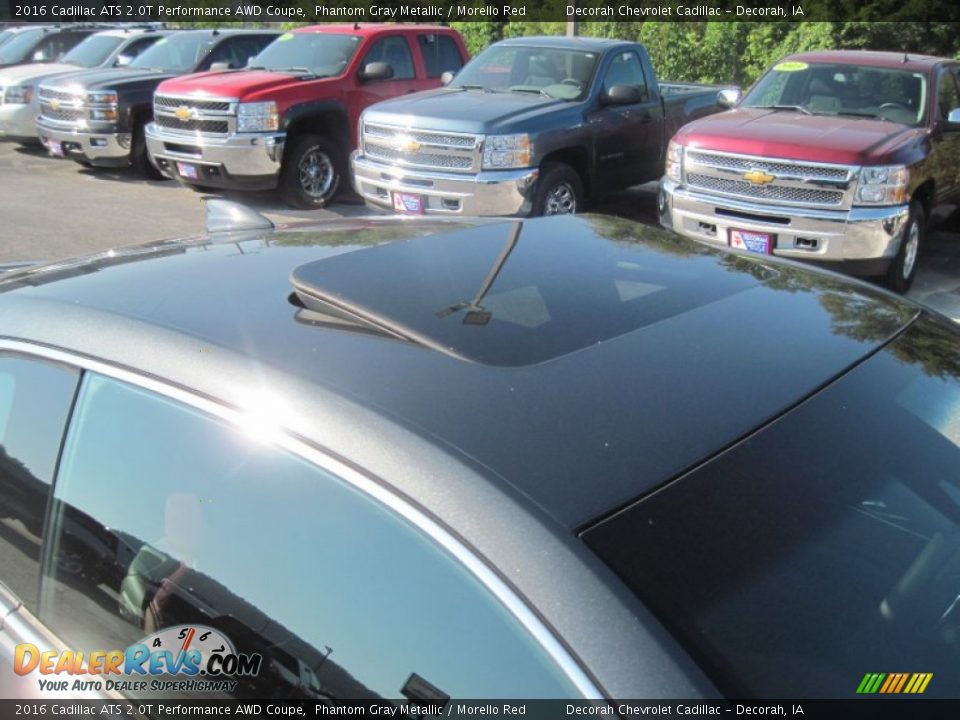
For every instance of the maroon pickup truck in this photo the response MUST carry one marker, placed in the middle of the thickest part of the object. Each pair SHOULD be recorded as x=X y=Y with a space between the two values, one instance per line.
x=844 y=158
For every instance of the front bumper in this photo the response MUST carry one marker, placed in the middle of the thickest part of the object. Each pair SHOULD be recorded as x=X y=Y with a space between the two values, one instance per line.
x=861 y=240
x=242 y=161
x=101 y=149
x=19 y=122
x=491 y=192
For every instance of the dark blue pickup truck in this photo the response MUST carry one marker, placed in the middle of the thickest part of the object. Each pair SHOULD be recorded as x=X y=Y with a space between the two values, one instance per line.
x=531 y=126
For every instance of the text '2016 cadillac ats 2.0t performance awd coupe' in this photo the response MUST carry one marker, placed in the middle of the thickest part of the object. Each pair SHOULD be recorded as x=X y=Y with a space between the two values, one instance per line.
x=568 y=457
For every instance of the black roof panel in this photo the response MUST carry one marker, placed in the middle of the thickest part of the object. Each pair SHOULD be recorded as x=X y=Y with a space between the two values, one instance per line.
x=627 y=389
x=500 y=296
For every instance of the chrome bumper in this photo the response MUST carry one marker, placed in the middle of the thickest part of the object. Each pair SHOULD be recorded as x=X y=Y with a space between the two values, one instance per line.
x=840 y=236
x=241 y=160
x=18 y=121
x=493 y=192
x=98 y=148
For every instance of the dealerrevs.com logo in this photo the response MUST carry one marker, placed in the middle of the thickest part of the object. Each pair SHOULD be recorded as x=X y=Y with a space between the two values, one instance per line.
x=180 y=658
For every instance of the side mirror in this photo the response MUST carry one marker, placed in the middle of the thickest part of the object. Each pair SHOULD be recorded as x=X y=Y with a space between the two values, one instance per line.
x=623 y=95
x=39 y=56
x=377 y=71
x=728 y=97
x=124 y=60
x=219 y=66
x=447 y=78
x=953 y=120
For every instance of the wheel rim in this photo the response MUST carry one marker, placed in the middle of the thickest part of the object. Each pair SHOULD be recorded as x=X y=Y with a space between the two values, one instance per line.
x=316 y=173
x=561 y=200
x=910 y=249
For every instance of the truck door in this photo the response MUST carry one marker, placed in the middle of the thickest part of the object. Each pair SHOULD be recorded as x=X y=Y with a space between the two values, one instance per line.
x=439 y=54
x=944 y=159
x=628 y=137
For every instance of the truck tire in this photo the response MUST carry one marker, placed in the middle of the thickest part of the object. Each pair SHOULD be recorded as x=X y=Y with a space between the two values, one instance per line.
x=139 y=158
x=559 y=191
x=311 y=172
x=903 y=269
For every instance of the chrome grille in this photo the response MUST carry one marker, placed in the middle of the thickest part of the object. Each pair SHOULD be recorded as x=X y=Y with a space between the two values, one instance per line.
x=389 y=133
x=423 y=159
x=167 y=101
x=783 y=193
x=61 y=114
x=214 y=127
x=746 y=164
x=69 y=110
x=50 y=93
x=430 y=151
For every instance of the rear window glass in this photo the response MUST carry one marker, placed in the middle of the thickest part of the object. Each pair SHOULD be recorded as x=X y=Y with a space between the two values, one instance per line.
x=823 y=548
x=440 y=54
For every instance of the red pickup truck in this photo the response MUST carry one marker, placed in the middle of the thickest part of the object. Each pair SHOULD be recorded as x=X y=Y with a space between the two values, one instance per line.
x=843 y=158
x=289 y=119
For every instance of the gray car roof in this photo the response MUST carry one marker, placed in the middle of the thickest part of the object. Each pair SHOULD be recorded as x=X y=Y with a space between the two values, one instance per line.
x=576 y=395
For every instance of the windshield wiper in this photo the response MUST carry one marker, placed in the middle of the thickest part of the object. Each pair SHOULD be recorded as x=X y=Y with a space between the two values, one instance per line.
x=854 y=113
x=291 y=70
x=531 y=91
x=475 y=87
x=795 y=108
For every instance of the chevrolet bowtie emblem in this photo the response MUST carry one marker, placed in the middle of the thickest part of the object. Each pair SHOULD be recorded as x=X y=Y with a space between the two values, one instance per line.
x=758 y=177
x=408 y=145
x=184 y=113
x=55 y=104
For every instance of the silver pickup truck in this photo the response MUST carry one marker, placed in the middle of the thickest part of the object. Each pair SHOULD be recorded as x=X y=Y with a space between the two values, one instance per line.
x=531 y=126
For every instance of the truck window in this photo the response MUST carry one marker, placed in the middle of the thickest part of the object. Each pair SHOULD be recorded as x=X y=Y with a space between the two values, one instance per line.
x=563 y=74
x=237 y=51
x=843 y=89
x=947 y=96
x=625 y=69
x=135 y=48
x=323 y=54
x=395 y=51
x=177 y=53
x=440 y=54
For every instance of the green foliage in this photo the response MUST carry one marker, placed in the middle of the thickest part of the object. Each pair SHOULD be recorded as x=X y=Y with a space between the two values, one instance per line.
x=477 y=35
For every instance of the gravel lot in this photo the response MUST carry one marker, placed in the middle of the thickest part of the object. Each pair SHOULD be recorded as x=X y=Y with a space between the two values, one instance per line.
x=52 y=209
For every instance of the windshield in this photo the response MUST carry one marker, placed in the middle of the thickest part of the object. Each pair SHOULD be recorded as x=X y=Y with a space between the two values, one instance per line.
x=179 y=53
x=826 y=546
x=841 y=89
x=93 y=51
x=563 y=74
x=320 y=54
x=6 y=35
x=19 y=46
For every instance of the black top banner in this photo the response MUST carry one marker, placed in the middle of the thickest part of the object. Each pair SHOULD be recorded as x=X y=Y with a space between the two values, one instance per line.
x=440 y=11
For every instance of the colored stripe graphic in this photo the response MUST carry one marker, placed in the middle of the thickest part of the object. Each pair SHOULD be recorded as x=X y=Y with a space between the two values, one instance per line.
x=894 y=683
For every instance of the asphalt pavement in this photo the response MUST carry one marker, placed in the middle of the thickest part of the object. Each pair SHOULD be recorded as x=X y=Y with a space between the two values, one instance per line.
x=52 y=209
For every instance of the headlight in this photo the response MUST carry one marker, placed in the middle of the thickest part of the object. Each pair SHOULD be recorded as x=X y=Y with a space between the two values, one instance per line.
x=104 y=115
x=885 y=185
x=507 y=151
x=102 y=97
x=18 y=94
x=257 y=117
x=674 y=163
